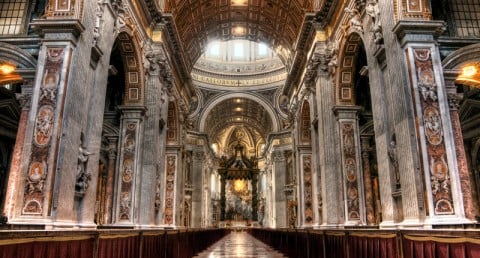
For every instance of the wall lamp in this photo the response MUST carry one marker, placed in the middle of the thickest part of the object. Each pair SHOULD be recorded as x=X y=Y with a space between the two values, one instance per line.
x=7 y=68
x=470 y=75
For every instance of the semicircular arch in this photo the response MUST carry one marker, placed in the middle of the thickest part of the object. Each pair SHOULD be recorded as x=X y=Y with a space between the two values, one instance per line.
x=25 y=64
x=132 y=64
x=461 y=56
x=212 y=104
x=345 y=77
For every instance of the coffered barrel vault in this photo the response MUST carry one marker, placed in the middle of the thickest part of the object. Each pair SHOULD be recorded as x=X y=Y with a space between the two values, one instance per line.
x=276 y=23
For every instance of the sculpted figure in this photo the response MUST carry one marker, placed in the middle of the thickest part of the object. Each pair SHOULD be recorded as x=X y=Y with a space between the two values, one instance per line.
x=355 y=19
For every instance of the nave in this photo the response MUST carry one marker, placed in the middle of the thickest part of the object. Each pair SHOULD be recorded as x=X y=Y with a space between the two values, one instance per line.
x=239 y=244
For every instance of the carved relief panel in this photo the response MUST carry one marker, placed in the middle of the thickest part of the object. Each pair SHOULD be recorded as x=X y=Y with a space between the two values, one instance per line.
x=350 y=170
x=437 y=170
x=38 y=170
x=127 y=170
x=171 y=168
x=307 y=189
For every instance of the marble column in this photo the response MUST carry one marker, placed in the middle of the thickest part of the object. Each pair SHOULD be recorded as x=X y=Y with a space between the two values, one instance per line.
x=367 y=175
x=152 y=172
x=433 y=124
x=45 y=177
x=466 y=178
x=25 y=99
x=197 y=192
x=129 y=166
x=351 y=164
x=112 y=158
x=279 y=181
x=330 y=181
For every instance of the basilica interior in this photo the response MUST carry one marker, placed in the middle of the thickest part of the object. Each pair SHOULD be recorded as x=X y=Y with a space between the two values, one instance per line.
x=321 y=128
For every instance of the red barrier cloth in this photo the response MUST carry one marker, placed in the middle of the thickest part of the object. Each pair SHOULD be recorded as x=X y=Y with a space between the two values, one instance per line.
x=335 y=245
x=153 y=246
x=440 y=247
x=119 y=247
x=372 y=246
x=48 y=249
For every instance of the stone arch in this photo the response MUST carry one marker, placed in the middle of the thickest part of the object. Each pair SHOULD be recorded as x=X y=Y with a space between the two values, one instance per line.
x=132 y=64
x=24 y=62
x=461 y=56
x=268 y=107
x=172 y=123
x=345 y=77
x=232 y=140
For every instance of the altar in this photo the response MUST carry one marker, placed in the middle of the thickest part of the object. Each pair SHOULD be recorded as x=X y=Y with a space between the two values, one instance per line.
x=238 y=192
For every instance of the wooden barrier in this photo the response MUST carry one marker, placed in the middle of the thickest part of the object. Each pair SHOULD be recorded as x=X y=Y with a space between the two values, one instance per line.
x=357 y=243
x=107 y=243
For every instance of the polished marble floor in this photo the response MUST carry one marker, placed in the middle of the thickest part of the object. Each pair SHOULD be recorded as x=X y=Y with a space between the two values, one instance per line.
x=239 y=245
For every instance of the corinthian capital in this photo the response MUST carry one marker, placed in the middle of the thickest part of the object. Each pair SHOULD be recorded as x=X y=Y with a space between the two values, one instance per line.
x=312 y=68
x=327 y=55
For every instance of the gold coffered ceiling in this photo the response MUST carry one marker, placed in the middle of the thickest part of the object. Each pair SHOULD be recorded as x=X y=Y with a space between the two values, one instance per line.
x=277 y=23
x=238 y=111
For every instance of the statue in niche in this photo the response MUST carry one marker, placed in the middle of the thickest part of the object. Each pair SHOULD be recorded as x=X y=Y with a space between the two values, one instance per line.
x=392 y=154
x=83 y=176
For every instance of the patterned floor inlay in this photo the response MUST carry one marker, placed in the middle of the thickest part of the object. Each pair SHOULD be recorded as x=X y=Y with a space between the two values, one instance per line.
x=239 y=244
